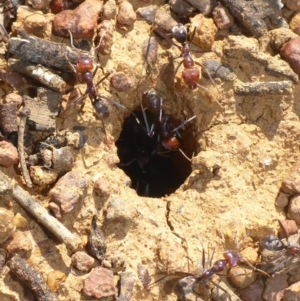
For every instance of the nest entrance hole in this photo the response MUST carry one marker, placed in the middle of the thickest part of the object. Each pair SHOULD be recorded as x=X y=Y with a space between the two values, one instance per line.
x=154 y=171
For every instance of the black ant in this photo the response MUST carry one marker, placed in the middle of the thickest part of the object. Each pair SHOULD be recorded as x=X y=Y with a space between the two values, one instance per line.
x=191 y=283
x=147 y=146
x=168 y=134
x=84 y=74
x=287 y=252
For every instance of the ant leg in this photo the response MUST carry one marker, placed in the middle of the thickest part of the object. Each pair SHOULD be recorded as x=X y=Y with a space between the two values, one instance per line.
x=213 y=98
x=184 y=123
x=100 y=41
x=4 y=33
x=254 y=268
x=160 y=32
x=221 y=288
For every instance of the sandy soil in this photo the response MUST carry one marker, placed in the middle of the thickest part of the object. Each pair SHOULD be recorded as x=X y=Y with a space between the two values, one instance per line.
x=253 y=142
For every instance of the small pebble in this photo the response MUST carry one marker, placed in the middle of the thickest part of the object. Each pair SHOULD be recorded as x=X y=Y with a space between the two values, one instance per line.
x=290 y=228
x=66 y=193
x=121 y=82
x=109 y=10
x=126 y=286
x=182 y=8
x=54 y=279
x=291 y=4
x=205 y=31
x=294 y=209
x=253 y=292
x=82 y=21
x=62 y=159
x=14 y=98
x=280 y=36
x=8 y=154
x=38 y=4
x=8 y=117
x=147 y=12
x=216 y=69
x=3 y=257
x=41 y=176
x=105 y=188
x=274 y=285
x=295 y=24
x=35 y=24
x=105 y=33
x=281 y=200
x=150 y=48
x=292 y=292
x=290 y=51
x=242 y=276
x=82 y=261
x=204 y=6
x=126 y=15
x=164 y=20
x=20 y=243
x=222 y=18
x=119 y=211
x=250 y=254
x=291 y=182
x=7 y=226
x=58 y=6
x=20 y=221
x=100 y=283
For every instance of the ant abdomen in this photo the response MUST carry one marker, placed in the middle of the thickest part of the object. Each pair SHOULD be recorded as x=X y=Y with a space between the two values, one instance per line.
x=171 y=144
x=101 y=108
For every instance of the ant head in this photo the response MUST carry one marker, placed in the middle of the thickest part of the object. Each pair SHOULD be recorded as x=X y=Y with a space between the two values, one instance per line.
x=171 y=144
x=152 y=101
x=101 y=108
x=179 y=33
x=84 y=64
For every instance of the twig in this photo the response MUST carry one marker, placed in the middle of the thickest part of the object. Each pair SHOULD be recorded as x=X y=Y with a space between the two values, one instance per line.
x=38 y=72
x=264 y=88
x=25 y=112
x=41 y=214
x=31 y=278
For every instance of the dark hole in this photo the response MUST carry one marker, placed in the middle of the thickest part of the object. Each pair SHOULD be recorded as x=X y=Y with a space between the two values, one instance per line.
x=154 y=171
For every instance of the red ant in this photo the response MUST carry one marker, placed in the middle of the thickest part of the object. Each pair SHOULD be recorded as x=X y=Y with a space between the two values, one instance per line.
x=287 y=253
x=191 y=73
x=84 y=74
x=190 y=283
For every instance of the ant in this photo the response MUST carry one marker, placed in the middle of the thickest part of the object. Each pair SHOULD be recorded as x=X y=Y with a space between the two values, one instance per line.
x=191 y=74
x=84 y=74
x=287 y=252
x=191 y=283
x=167 y=132
x=148 y=135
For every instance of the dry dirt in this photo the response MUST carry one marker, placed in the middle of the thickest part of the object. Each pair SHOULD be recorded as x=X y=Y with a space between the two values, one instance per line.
x=254 y=141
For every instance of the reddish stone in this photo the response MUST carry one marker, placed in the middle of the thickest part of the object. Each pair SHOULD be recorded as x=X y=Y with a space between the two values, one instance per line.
x=100 y=283
x=290 y=228
x=82 y=261
x=290 y=51
x=82 y=21
x=8 y=154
